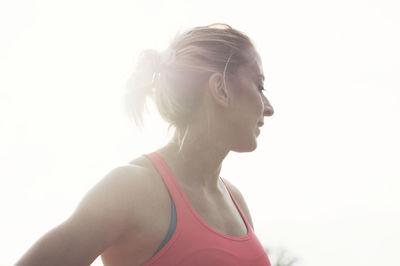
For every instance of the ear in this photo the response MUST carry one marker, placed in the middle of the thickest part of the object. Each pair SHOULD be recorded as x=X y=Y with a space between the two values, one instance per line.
x=217 y=89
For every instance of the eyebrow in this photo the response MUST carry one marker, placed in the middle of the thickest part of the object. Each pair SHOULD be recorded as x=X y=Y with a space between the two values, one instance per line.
x=261 y=76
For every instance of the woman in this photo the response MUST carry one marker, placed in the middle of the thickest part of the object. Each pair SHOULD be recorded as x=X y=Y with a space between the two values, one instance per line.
x=171 y=207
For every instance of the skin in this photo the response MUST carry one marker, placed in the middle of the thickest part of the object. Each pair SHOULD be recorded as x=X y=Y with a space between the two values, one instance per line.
x=126 y=216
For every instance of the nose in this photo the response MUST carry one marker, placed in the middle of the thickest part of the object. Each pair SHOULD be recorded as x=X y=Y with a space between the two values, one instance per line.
x=268 y=109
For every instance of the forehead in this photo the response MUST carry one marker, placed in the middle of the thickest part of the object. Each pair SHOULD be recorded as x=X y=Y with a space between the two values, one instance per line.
x=254 y=68
x=253 y=71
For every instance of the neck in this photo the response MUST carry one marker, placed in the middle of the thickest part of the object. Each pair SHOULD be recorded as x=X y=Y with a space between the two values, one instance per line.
x=197 y=163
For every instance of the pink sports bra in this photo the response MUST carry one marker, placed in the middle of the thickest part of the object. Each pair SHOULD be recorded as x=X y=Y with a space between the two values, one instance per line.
x=194 y=242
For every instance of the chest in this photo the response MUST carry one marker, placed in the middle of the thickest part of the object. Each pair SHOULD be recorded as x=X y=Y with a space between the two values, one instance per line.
x=218 y=212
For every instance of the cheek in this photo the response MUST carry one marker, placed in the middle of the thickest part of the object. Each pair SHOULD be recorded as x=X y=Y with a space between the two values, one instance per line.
x=260 y=104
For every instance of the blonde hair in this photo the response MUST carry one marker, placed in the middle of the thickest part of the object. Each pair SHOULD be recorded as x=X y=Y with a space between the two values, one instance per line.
x=174 y=78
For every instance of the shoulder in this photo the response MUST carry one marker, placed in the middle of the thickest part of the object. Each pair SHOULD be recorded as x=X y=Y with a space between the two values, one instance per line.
x=124 y=179
x=112 y=207
x=136 y=178
x=121 y=188
x=134 y=183
x=122 y=193
x=240 y=200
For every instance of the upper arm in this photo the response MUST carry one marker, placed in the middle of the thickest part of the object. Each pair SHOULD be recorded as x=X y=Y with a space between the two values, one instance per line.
x=101 y=218
x=106 y=210
x=240 y=200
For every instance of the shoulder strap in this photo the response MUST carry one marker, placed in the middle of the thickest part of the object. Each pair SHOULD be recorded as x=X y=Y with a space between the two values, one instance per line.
x=168 y=177
x=237 y=206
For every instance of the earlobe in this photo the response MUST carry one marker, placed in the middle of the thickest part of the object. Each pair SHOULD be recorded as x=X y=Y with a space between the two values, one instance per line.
x=218 y=89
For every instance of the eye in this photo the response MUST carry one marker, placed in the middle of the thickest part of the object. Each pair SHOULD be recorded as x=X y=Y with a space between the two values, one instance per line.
x=261 y=88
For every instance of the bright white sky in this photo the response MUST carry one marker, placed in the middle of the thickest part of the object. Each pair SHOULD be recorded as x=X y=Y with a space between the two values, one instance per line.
x=324 y=180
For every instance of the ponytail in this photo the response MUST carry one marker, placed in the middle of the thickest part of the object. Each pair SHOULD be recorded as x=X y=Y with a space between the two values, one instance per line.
x=144 y=81
x=141 y=85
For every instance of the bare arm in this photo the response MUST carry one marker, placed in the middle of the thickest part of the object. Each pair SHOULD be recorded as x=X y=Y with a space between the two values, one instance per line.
x=99 y=220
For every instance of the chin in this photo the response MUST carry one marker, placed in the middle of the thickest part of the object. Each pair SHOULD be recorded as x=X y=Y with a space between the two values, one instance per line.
x=249 y=147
